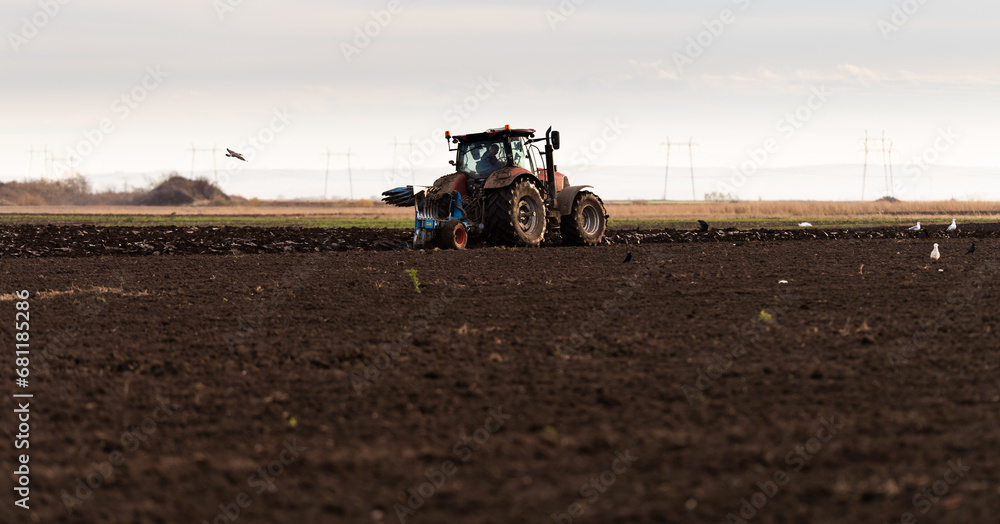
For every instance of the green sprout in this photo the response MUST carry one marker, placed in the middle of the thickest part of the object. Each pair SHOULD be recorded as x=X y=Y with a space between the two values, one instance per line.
x=413 y=277
x=764 y=316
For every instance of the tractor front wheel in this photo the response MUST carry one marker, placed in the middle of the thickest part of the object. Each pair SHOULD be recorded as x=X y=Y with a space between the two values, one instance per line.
x=453 y=235
x=586 y=224
x=515 y=215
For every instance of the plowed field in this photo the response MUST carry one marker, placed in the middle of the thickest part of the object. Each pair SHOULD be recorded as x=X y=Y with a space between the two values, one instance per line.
x=286 y=375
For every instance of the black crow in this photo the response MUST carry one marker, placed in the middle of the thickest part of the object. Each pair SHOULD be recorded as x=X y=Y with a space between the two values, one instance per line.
x=628 y=258
x=704 y=225
x=972 y=249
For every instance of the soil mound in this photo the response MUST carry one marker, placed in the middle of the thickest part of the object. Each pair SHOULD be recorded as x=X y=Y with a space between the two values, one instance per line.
x=178 y=191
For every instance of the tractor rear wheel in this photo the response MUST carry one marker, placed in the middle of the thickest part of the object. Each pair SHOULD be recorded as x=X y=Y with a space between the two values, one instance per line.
x=515 y=215
x=453 y=235
x=586 y=224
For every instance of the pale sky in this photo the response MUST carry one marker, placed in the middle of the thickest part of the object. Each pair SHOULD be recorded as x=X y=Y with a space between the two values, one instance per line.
x=616 y=78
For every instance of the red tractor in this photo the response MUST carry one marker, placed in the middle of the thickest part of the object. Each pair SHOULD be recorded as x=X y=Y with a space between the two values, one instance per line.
x=501 y=189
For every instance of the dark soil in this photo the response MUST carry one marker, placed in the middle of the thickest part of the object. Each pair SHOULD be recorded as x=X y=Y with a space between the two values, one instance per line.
x=857 y=384
x=29 y=240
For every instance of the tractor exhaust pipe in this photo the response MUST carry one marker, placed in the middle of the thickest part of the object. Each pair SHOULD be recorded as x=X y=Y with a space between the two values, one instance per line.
x=551 y=144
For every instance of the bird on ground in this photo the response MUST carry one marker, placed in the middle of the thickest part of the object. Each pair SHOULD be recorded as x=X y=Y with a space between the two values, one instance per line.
x=972 y=249
x=805 y=224
x=628 y=258
x=916 y=227
x=953 y=225
x=935 y=254
x=922 y=235
x=703 y=225
x=234 y=154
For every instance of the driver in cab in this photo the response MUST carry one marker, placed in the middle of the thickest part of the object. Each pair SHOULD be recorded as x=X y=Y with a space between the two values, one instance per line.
x=491 y=160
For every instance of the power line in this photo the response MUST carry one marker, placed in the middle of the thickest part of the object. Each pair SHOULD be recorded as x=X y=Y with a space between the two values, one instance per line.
x=690 y=145
x=885 y=166
x=666 y=173
x=395 y=146
x=195 y=150
x=45 y=156
x=887 y=148
x=50 y=159
x=326 y=179
x=350 y=176
x=892 y=182
x=864 y=174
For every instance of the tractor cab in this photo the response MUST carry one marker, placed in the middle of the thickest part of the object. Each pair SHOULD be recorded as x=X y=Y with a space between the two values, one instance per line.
x=481 y=154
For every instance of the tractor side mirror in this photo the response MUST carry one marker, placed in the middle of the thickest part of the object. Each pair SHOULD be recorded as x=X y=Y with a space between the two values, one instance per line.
x=555 y=140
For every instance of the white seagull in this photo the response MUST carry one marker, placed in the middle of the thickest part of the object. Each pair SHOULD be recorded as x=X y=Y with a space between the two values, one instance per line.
x=234 y=154
x=953 y=225
x=916 y=227
x=805 y=224
x=935 y=254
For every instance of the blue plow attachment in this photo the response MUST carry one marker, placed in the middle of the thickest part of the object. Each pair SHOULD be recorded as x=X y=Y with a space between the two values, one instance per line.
x=400 y=196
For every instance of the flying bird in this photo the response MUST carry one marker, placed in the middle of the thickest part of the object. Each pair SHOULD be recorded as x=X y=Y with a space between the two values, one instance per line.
x=628 y=258
x=935 y=254
x=916 y=227
x=972 y=249
x=703 y=225
x=953 y=225
x=805 y=224
x=234 y=154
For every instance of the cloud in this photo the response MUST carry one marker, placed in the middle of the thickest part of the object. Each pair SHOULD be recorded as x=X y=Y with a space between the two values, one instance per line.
x=844 y=77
